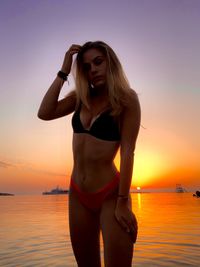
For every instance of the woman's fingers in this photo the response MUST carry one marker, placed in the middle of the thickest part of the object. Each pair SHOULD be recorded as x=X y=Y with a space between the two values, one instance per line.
x=134 y=236
x=134 y=231
x=126 y=224
x=133 y=226
x=122 y=223
x=130 y=226
x=75 y=48
x=67 y=63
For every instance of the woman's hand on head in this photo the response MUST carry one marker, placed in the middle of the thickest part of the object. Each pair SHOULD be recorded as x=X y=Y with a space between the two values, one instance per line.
x=126 y=218
x=67 y=63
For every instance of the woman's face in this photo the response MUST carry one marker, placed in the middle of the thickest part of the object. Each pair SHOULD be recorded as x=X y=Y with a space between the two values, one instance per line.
x=95 y=67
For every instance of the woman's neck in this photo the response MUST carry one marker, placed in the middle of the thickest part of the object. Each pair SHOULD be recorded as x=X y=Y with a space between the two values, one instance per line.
x=99 y=92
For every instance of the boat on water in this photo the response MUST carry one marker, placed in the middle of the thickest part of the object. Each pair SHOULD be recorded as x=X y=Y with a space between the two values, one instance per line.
x=197 y=194
x=6 y=194
x=180 y=189
x=56 y=191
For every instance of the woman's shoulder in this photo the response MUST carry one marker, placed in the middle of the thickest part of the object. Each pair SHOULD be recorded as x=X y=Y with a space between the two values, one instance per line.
x=131 y=112
x=131 y=99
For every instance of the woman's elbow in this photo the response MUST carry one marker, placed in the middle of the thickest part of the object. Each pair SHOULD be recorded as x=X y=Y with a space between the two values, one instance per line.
x=41 y=115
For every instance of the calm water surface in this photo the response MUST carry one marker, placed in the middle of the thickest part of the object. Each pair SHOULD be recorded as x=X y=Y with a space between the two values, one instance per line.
x=34 y=231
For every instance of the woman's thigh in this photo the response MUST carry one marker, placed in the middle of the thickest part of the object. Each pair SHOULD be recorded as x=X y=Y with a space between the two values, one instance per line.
x=118 y=246
x=84 y=232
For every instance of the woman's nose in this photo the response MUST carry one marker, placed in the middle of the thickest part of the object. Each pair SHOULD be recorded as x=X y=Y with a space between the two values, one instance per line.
x=93 y=68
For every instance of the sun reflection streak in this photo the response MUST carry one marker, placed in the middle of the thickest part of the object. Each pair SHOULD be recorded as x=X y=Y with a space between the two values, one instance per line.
x=139 y=200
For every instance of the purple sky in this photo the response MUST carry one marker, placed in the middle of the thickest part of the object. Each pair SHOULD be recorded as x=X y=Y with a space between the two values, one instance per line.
x=158 y=44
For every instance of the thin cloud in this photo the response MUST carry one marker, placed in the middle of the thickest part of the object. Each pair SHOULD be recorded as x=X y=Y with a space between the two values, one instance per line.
x=4 y=164
x=22 y=165
x=30 y=167
x=46 y=172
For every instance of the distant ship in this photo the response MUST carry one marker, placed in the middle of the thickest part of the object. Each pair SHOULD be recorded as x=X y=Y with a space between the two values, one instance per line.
x=56 y=191
x=6 y=194
x=180 y=189
x=197 y=194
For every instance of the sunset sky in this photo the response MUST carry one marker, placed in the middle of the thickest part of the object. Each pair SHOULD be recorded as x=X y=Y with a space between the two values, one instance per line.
x=158 y=44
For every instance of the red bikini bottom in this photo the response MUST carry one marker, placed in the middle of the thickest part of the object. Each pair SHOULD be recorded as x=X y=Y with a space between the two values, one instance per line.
x=94 y=200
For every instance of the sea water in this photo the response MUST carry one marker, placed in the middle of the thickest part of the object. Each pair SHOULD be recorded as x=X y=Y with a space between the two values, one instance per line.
x=34 y=230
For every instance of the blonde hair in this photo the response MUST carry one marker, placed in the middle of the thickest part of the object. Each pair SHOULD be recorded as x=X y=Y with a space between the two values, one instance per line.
x=118 y=85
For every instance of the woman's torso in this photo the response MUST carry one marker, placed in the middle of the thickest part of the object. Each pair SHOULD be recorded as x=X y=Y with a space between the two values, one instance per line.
x=95 y=144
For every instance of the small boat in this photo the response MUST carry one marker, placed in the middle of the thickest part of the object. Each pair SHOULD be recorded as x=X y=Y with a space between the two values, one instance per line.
x=6 y=194
x=180 y=189
x=56 y=191
x=197 y=194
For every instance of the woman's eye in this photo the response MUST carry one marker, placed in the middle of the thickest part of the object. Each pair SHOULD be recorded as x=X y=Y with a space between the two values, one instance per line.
x=98 y=61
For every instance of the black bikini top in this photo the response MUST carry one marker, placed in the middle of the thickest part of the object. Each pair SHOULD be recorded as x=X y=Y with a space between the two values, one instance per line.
x=103 y=126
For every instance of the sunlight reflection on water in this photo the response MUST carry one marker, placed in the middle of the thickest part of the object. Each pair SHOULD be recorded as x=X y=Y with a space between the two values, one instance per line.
x=35 y=230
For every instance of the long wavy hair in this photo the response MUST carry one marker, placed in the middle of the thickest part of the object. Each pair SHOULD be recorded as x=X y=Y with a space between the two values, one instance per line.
x=118 y=85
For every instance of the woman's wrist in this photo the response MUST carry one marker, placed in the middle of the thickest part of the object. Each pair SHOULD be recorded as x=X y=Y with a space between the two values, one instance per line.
x=122 y=196
x=61 y=74
x=122 y=199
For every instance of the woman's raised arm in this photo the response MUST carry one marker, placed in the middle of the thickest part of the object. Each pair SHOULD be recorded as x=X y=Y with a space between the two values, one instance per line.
x=50 y=107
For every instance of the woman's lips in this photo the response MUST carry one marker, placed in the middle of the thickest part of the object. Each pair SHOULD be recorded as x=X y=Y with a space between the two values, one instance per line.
x=97 y=78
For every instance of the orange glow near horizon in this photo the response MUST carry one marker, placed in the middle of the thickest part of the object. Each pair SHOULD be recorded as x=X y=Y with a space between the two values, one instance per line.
x=152 y=169
x=146 y=167
x=146 y=176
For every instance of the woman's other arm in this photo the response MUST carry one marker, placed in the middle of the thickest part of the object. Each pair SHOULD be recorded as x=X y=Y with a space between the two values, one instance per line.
x=130 y=124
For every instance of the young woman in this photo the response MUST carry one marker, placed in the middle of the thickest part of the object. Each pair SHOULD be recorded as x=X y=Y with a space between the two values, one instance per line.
x=106 y=117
